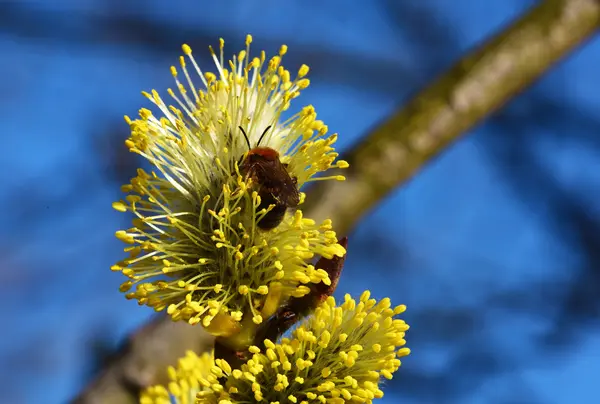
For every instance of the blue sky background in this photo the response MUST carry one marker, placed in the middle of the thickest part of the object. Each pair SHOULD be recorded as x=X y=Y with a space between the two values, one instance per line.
x=494 y=246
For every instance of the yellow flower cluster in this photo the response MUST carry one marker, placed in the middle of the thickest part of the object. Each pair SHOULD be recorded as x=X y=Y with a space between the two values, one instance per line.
x=338 y=355
x=200 y=246
x=184 y=382
x=194 y=247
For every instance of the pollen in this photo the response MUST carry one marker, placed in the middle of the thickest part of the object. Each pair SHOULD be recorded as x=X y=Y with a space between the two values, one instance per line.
x=309 y=364
x=194 y=248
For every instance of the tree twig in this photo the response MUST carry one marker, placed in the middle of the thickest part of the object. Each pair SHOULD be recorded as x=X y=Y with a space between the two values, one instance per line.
x=476 y=86
x=472 y=89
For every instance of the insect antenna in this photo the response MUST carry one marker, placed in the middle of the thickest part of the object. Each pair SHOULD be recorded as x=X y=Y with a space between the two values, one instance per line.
x=263 y=135
x=245 y=137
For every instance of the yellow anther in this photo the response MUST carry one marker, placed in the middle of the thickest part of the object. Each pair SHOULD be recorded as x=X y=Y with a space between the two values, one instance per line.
x=303 y=71
x=303 y=83
x=125 y=237
x=119 y=206
x=210 y=77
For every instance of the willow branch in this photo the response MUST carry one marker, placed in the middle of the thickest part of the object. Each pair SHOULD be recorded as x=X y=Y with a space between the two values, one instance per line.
x=475 y=87
x=472 y=89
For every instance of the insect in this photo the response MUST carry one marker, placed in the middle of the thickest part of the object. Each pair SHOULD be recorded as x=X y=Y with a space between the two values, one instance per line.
x=276 y=186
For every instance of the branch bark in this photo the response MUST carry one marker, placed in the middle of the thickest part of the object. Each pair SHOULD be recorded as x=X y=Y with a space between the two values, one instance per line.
x=391 y=154
x=472 y=89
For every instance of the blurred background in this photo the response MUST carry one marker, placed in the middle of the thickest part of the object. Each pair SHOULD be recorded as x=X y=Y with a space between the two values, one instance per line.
x=494 y=246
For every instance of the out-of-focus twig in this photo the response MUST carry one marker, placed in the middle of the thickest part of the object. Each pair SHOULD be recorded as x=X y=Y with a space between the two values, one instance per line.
x=473 y=88
x=143 y=360
x=476 y=86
